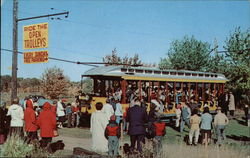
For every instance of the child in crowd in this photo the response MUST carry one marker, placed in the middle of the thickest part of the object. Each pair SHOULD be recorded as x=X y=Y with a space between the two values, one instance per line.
x=159 y=132
x=112 y=134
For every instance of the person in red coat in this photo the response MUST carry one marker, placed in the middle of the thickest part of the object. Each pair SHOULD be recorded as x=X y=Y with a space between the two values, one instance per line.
x=30 y=121
x=47 y=123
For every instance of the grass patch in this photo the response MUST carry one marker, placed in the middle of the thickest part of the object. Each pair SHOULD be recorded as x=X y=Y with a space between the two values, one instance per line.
x=75 y=132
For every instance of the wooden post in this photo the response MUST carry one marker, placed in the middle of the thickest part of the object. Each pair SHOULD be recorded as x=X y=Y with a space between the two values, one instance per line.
x=15 y=50
x=203 y=92
x=95 y=85
x=112 y=87
x=158 y=90
x=123 y=86
x=182 y=96
x=209 y=90
x=174 y=91
x=167 y=96
x=189 y=91
x=223 y=88
x=196 y=92
x=149 y=93
x=140 y=89
x=103 y=87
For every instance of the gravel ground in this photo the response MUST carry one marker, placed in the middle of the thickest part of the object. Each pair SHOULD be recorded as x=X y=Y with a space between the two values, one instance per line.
x=73 y=137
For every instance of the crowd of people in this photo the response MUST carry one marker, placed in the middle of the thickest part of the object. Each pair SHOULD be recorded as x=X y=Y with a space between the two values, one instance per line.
x=109 y=121
x=141 y=124
x=27 y=119
x=106 y=126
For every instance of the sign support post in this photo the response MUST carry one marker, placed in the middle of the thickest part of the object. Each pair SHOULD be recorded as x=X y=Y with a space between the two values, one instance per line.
x=15 y=44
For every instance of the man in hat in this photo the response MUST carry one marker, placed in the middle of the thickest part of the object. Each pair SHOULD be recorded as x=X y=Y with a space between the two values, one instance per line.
x=220 y=122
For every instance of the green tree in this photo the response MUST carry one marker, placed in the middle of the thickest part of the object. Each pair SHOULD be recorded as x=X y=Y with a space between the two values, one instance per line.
x=55 y=83
x=237 y=56
x=217 y=62
x=187 y=54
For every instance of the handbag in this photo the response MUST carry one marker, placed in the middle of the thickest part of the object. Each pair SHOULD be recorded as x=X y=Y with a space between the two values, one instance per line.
x=56 y=134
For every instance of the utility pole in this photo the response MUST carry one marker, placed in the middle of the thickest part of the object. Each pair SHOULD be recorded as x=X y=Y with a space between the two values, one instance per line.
x=15 y=44
x=14 y=55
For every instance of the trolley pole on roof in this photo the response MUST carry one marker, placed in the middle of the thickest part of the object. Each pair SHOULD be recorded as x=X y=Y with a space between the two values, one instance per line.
x=15 y=44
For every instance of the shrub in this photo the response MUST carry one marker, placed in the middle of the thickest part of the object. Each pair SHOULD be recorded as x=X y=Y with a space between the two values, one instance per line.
x=15 y=146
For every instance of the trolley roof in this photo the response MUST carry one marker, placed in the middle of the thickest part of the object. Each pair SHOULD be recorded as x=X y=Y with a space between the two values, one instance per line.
x=155 y=74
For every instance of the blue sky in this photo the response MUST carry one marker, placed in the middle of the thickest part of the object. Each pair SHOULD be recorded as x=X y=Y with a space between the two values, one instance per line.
x=94 y=28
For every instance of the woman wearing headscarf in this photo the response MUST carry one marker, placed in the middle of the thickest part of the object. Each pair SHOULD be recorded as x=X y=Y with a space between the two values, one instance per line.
x=30 y=121
x=47 y=123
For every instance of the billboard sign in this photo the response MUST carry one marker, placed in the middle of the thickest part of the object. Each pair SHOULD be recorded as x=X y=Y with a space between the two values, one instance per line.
x=35 y=57
x=35 y=36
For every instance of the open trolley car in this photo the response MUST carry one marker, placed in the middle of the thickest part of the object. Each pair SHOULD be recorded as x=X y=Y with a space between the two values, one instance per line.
x=151 y=83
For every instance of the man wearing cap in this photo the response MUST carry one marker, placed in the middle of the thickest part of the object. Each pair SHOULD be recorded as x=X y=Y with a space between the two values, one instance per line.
x=17 y=114
x=220 y=122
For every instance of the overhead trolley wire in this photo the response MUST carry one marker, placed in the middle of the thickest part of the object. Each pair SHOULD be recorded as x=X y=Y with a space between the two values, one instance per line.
x=62 y=60
x=94 y=64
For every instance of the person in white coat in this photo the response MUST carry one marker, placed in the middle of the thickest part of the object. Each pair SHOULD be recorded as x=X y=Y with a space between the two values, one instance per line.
x=231 y=105
x=98 y=123
x=17 y=115
x=60 y=113
x=118 y=111
x=108 y=109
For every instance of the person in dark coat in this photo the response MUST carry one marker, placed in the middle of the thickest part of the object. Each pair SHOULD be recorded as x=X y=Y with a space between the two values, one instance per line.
x=5 y=120
x=223 y=101
x=30 y=121
x=2 y=123
x=47 y=123
x=137 y=118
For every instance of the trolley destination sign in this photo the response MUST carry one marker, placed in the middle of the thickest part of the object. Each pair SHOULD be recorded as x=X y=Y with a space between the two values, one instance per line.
x=35 y=36
x=35 y=57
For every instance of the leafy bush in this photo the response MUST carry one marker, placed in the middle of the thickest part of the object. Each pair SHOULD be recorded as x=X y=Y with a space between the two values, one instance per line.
x=15 y=146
